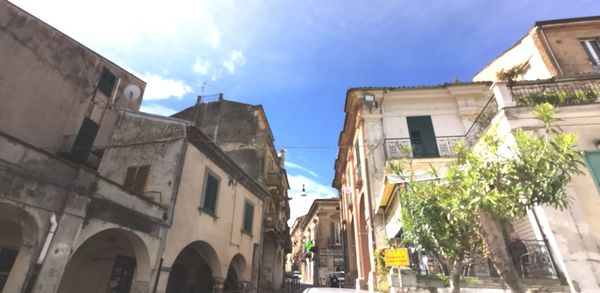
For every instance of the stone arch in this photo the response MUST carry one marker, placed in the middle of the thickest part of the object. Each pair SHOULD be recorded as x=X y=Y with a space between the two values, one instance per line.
x=195 y=269
x=19 y=238
x=113 y=259
x=235 y=274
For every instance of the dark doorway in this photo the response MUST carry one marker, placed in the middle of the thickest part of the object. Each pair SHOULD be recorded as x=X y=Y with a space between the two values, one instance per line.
x=422 y=137
x=122 y=274
x=231 y=283
x=7 y=260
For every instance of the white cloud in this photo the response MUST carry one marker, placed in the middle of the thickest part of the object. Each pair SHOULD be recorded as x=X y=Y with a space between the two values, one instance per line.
x=159 y=87
x=301 y=168
x=201 y=66
x=157 y=109
x=299 y=205
x=234 y=61
x=214 y=37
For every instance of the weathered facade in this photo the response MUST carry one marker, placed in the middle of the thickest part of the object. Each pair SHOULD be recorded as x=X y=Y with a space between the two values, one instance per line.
x=66 y=227
x=321 y=227
x=215 y=222
x=243 y=133
x=95 y=196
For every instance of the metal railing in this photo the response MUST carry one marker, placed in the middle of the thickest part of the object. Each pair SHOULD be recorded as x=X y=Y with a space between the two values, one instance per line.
x=556 y=92
x=397 y=148
x=482 y=121
x=532 y=259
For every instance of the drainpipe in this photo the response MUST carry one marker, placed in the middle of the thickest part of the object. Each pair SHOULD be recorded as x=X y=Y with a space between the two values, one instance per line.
x=49 y=238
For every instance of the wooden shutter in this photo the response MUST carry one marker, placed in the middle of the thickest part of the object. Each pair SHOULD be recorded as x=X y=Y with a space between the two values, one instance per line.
x=422 y=136
x=248 y=216
x=210 y=193
x=130 y=178
x=593 y=161
x=141 y=177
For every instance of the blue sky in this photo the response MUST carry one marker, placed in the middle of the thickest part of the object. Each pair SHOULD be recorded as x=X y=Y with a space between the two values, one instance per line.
x=297 y=58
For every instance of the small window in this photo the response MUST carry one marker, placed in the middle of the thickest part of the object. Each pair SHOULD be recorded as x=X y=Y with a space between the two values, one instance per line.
x=593 y=162
x=211 y=190
x=248 y=217
x=136 y=178
x=337 y=236
x=107 y=82
x=592 y=49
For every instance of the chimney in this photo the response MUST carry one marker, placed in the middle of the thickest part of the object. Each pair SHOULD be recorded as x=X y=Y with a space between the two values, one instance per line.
x=281 y=156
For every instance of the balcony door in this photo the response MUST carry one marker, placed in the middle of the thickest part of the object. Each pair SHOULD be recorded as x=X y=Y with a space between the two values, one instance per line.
x=422 y=137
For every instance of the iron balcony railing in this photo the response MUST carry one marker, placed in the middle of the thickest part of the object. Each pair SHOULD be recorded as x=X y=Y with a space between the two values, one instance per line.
x=532 y=259
x=556 y=92
x=397 y=148
x=482 y=121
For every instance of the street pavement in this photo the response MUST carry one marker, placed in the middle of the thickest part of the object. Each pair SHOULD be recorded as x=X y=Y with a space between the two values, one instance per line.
x=331 y=290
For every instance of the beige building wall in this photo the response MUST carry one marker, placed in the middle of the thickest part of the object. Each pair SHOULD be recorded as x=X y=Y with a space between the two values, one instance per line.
x=221 y=232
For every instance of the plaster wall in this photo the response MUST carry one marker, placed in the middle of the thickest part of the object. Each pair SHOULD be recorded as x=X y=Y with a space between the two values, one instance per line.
x=51 y=77
x=524 y=51
x=564 y=41
x=223 y=230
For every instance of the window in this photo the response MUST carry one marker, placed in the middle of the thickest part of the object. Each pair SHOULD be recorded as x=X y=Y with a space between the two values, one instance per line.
x=592 y=49
x=136 y=178
x=82 y=146
x=248 y=217
x=593 y=162
x=357 y=159
x=107 y=82
x=211 y=189
x=337 y=237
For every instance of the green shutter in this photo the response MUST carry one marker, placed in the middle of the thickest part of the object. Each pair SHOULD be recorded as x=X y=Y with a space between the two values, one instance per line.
x=248 y=216
x=210 y=193
x=593 y=162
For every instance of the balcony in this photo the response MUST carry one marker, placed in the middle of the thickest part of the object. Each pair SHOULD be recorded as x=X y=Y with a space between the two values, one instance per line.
x=398 y=148
x=556 y=92
x=273 y=223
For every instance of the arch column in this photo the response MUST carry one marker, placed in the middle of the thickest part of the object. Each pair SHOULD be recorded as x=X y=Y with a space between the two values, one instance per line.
x=218 y=287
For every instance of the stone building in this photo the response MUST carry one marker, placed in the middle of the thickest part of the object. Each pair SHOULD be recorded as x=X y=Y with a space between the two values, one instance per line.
x=243 y=133
x=215 y=226
x=58 y=104
x=321 y=227
x=557 y=59
x=95 y=196
x=379 y=121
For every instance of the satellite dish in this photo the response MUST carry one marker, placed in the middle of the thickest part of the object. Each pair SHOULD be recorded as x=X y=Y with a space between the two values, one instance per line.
x=132 y=92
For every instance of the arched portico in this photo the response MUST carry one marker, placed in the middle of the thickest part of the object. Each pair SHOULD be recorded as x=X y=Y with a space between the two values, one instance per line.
x=18 y=239
x=237 y=275
x=113 y=260
x=196 y=269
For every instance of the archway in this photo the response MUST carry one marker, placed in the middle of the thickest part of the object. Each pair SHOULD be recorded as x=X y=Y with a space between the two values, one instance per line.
x=235 y=273
x=110 y=261
x=18 y=238
x=193 y=269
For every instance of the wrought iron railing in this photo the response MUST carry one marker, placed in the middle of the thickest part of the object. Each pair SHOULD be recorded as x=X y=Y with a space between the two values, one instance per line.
x=556 y=92
x=482 y=121
x=397 y=148
x=532 y=259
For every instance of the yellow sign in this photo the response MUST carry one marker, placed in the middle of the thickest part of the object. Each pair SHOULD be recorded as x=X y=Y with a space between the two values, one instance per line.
x=396 y=257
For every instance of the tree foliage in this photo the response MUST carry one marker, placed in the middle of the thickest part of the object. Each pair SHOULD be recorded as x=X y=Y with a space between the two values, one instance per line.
x=495 y=181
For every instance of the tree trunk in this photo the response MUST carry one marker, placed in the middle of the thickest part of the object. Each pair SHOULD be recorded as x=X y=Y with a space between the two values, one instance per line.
x=455 y=273
x=492 y=235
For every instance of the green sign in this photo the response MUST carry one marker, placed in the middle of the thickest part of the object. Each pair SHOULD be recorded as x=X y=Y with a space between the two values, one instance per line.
x=309 y=244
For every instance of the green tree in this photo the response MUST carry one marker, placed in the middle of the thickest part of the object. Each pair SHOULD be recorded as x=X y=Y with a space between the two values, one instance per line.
x=428 y=225
x=500 y=178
